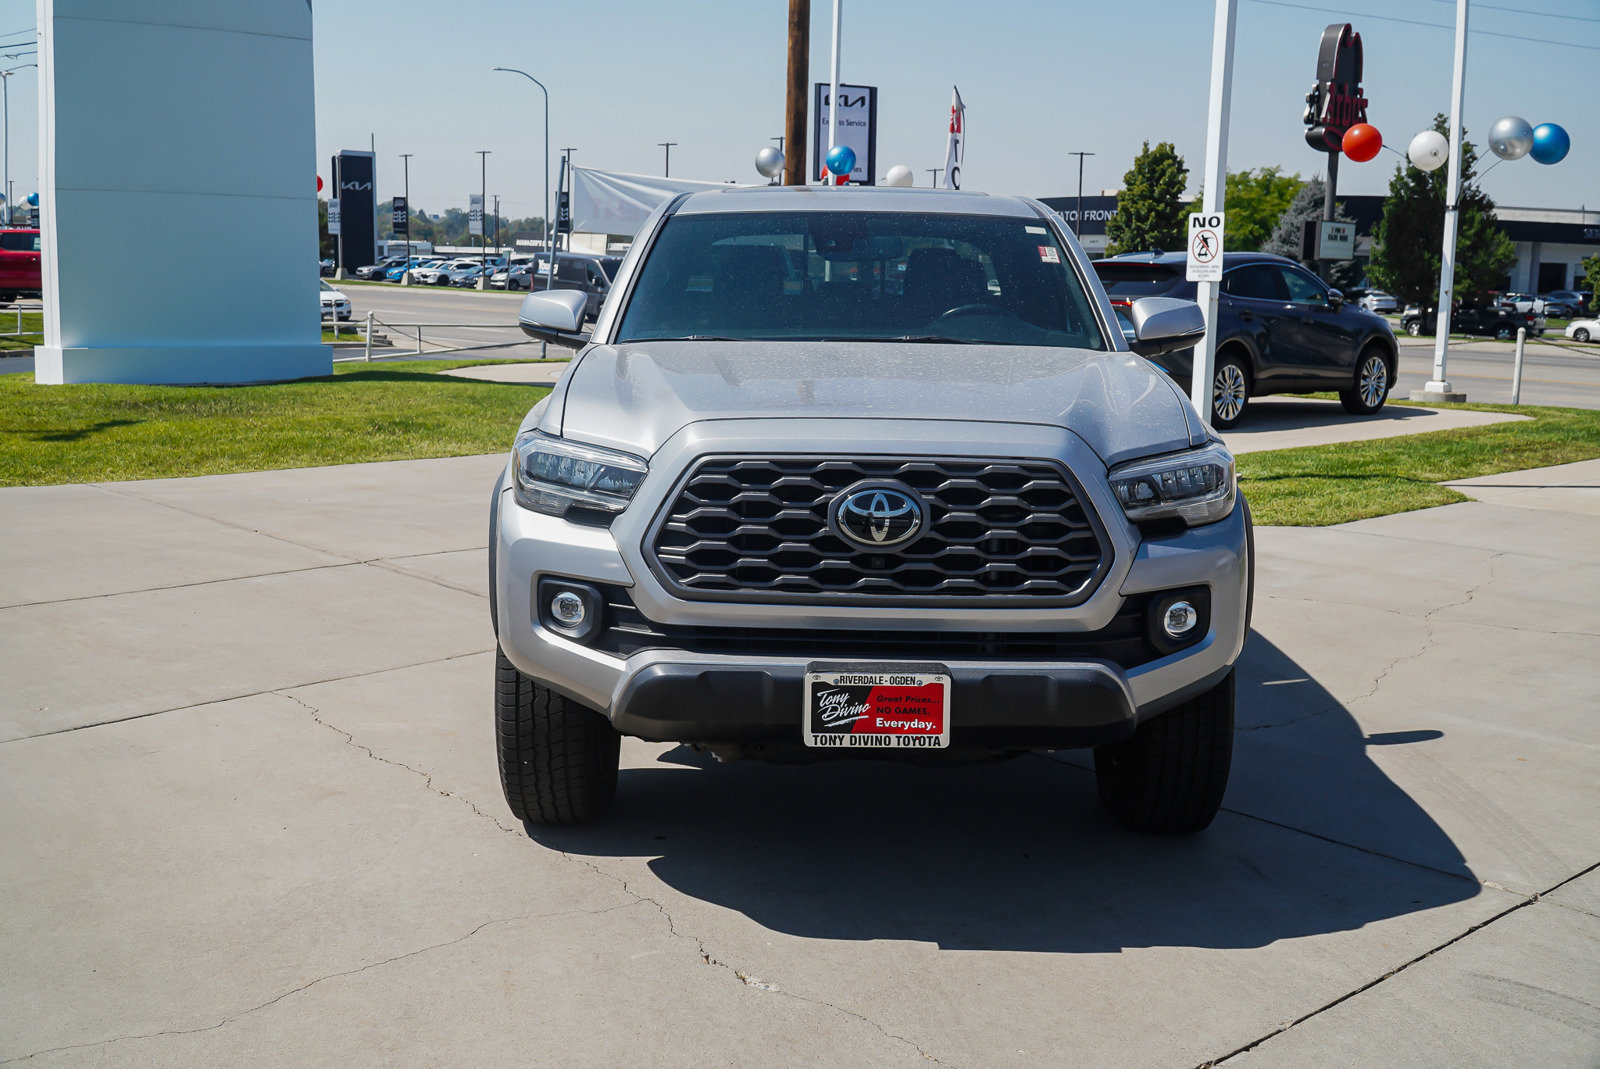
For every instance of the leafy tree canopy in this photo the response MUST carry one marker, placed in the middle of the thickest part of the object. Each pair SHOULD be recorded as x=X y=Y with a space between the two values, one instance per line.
x=1406 y=246
x=1150 y=215
x=1254 y=203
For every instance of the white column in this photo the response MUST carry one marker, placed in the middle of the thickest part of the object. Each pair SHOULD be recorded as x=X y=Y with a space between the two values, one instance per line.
x=170 y=131
x=1215 y=180
x=1438 y=388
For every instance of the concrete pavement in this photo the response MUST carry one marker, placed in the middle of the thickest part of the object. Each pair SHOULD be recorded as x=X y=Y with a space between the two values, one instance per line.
x=250 y=814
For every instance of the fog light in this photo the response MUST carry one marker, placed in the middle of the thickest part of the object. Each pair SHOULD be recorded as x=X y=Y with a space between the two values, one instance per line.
x=1180 y=619
x=568 y=610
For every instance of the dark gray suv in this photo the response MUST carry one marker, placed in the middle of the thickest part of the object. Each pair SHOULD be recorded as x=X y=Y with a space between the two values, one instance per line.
x=1282 y=331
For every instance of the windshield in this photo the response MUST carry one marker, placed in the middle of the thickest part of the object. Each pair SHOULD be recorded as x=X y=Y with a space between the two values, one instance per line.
x=847 y=276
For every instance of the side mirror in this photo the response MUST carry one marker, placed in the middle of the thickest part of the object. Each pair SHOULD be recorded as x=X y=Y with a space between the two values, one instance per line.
x=554 y=316
x=1165 y=324
x=1335 y=299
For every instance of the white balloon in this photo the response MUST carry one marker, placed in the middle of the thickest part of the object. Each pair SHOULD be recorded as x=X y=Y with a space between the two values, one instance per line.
x=769 y=161
x=1429 y=150
x=898 y=175
x=1511 y=137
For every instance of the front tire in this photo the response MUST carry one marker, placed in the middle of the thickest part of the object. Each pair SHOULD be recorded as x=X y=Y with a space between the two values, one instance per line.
x=1170 y=777
x=1230 y=392
x=1414 y=328
x=558 y=760
x=1372 y=385
x=1580 y=335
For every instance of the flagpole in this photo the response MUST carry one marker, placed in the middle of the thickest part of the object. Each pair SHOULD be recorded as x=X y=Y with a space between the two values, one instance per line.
x=833 y=91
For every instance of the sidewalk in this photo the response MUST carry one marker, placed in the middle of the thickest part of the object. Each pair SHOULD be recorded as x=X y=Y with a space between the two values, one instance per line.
x=251 y=815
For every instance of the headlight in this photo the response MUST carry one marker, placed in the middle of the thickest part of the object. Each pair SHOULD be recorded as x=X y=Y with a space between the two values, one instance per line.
x=554 y=475
x=1196 y=487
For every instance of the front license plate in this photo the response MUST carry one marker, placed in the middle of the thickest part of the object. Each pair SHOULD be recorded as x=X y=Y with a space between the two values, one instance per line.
x=877 y=707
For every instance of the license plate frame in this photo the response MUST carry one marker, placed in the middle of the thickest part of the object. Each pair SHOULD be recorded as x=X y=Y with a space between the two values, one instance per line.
x=848 y=704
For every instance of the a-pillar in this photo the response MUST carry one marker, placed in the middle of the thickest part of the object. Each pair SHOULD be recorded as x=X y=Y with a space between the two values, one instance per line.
x=178 y=188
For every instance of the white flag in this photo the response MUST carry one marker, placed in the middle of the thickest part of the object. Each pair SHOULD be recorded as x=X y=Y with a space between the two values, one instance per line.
x=956 y=152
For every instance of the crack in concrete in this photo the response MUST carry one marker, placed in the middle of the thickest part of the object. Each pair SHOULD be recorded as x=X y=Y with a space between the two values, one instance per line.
x=232 y=1017
x=1397 y=970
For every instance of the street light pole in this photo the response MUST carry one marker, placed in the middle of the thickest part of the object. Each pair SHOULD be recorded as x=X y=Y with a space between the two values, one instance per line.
x=5 y=89
x=1077 y=220
x=549 y=249
x=483 y=199
x=666 y=171
x=405 y=158
x=1438 y=388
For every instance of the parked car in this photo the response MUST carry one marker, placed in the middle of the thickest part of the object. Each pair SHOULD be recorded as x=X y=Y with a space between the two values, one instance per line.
x=468 y=278
x=1577 y=301
x=515 y=277
x=394 y=273
x=1379 y=302
x=590 y=274
x=20 y=272
x=443 y=272
x=325 y=268
x=334 y=303
x=1491 y=319
x=378 y=271
x=1523 y=302
x=1584 y=329
x=1281 y=330
x=780 y=508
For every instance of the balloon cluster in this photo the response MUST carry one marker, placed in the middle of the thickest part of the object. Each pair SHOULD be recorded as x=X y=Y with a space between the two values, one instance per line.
x=1510 y=139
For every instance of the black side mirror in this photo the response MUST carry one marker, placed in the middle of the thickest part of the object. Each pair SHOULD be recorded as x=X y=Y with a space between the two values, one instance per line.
x=1335 y=299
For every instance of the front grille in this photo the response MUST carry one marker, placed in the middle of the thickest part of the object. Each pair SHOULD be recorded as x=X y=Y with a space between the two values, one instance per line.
x=1122 y=641
x=757 y=528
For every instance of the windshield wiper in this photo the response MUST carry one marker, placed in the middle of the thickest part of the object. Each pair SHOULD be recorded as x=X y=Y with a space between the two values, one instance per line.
x=938 y=339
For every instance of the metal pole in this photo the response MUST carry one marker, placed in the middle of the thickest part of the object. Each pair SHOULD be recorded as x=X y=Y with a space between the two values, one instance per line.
x=1215 y=180
x=419 y=339
x=1438 y=388
x=5 y=81
x=483 y=202
x=833 y=88
x=666 y=171
x=796 y=93
x=1516 y=372
x=405 y=272
x=563 y=181
x=933 y=175
x=369 y=336
x=1328 y=206
x=1077 y=224
x=548 y=248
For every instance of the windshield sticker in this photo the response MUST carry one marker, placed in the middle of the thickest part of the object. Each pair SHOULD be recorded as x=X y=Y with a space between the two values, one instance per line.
x=1049 y=255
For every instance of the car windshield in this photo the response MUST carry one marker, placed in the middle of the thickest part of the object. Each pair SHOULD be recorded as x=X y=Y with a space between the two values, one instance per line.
x=869 y=276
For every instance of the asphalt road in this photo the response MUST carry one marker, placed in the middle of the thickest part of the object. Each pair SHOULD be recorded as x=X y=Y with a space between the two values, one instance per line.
x=471 y=318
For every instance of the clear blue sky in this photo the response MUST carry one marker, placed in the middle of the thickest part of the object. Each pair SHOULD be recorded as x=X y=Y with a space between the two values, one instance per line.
x=1040 y=78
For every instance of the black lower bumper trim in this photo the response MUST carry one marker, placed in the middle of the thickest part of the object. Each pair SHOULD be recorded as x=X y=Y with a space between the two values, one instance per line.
x=1043 y=707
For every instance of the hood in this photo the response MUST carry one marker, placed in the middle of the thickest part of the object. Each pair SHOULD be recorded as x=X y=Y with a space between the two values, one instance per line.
x=635 y=396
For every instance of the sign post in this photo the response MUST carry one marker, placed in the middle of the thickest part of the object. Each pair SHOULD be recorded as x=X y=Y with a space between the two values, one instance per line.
x=1216 y=189
x=857 y=127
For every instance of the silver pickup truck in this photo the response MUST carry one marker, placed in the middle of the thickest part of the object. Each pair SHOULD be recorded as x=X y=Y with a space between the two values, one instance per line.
x=866 y=473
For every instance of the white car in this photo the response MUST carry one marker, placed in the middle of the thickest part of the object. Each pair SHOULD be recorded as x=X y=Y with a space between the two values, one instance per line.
x=1524 y=302
x=428 y=274
x=334 y=303
x=445 y=273
x=1584 y=329
x=1379 y=302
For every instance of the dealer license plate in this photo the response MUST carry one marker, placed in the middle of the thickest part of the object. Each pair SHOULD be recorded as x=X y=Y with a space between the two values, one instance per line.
x=876 y=706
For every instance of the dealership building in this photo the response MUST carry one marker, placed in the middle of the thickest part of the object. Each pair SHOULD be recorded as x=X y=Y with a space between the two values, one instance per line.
x=1551 y=243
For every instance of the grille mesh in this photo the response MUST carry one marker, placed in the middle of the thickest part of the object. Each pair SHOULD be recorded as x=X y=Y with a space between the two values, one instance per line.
x=759 y=527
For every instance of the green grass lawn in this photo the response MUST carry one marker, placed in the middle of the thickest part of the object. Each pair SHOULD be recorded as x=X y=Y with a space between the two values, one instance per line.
x=1323 y=485
x=364 y=412
x=32 y=329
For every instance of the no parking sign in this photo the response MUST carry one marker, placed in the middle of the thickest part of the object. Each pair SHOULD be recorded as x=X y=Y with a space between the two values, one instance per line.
x=1204 y=256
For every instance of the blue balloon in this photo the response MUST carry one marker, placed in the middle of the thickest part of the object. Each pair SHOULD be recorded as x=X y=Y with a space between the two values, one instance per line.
x=841 y=159
x=1550 y=143
x=33 y=198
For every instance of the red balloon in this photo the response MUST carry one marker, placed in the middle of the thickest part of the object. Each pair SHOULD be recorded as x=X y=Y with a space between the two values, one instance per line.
x=1362 y=142
x=319 y=183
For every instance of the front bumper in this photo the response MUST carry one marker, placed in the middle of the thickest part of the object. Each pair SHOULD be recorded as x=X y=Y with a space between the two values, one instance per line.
x=673 y=691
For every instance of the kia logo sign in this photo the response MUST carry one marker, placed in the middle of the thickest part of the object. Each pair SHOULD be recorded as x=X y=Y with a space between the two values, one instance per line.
x=355 y=185
x=877 y=515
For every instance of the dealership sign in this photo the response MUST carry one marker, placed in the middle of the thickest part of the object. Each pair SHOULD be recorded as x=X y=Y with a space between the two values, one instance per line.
x=1335 y=102
x=858 y=116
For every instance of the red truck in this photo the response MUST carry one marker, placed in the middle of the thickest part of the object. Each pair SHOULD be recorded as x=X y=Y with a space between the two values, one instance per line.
x=19 y=263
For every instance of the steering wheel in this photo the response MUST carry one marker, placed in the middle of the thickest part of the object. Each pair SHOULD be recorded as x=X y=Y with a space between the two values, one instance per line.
x=977 y=308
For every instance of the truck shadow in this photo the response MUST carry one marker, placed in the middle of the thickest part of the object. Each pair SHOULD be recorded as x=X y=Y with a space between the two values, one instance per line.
x=1019 y=856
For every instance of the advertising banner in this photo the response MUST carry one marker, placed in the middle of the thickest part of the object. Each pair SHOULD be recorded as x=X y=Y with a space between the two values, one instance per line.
x=400 y=219
x=333 y=216
x=858 y=128
x=955 y=153
x=475 y=214
x=354 y=176
x=605 y=202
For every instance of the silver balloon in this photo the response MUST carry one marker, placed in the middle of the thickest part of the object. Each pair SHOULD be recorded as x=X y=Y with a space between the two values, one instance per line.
x=1428 y=150
x=769 y=161
x=1511 y=138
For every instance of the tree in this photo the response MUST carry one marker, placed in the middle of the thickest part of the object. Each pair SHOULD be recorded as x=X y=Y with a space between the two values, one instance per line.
x=1255 y=201
x=1309 y=205
x=1407 y=242
x=1591 y=279
x=1150 y=215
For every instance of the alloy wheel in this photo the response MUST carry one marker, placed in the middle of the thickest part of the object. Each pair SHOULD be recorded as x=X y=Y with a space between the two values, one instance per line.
x=1230 y=389
x=1374 y=382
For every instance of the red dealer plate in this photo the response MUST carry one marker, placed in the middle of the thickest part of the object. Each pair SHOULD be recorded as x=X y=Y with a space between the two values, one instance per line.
x=886 y=707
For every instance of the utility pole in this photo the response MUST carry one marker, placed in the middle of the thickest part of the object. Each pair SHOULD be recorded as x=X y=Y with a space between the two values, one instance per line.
x=497 y=224
x=405 y=162
x=933 y=175
x=666 y=171
x=483 y=202
x=795 y=95
x=1077 y=220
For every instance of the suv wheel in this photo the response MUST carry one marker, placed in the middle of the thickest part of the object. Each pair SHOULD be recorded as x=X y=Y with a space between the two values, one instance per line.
x=558 y=760
x=1230 y=392
x=1414 y=327
x=1371 y=388
x=1169 y=778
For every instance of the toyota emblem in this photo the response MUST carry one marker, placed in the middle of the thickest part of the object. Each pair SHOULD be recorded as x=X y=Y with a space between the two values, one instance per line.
x=877 y=515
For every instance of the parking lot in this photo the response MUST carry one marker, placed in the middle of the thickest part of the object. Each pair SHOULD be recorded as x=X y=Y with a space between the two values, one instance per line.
x=253 y=816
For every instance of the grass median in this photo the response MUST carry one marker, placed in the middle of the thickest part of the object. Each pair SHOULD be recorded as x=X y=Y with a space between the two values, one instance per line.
x=1321 y=485
x=403 y=410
